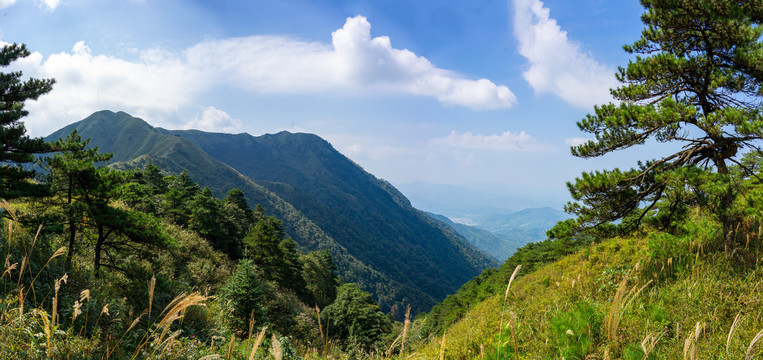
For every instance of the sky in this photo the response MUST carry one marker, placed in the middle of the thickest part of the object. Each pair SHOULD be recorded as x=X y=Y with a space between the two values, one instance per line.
x=478 y=94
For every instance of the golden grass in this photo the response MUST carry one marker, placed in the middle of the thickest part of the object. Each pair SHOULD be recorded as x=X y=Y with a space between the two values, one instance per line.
x=405 y=327
x=257 y=342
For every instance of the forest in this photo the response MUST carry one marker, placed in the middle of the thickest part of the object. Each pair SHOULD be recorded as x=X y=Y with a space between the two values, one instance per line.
x=661 y=261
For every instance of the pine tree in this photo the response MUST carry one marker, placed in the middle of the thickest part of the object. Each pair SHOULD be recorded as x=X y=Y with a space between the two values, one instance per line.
x=16 y=148
x=67 y=167
x=696 y=81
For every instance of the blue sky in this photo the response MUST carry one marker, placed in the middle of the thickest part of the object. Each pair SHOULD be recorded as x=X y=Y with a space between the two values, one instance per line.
x=482 y=93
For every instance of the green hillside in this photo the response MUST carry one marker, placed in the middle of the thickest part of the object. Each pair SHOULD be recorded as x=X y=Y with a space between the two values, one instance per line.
x=326 y=201
x=677 y=296
x=364 y=214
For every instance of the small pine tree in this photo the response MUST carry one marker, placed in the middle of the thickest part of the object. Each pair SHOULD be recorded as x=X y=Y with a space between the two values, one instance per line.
x=18 y=149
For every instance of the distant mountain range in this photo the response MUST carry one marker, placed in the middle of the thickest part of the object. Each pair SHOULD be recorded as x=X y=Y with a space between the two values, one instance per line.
x=378 y=240
x=464 y=201
x=500 y=235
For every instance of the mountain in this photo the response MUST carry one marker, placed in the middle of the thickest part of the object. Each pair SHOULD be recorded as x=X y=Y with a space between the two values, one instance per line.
x=496 y=246
x=398 y=253
x=500 y=235
x=530 y=222
x=463 y=202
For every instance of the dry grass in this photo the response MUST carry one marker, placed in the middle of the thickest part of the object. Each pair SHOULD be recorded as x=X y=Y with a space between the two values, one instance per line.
x=690 y=344
x=257 y=342
x=503 y=310
x=734 y=326
x=748 y=353
x=405 y=327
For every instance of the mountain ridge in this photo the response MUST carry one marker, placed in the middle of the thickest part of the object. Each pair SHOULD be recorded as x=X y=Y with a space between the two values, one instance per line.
x=322 y=203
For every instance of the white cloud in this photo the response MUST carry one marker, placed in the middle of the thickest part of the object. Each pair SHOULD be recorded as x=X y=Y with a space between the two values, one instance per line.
x=557 y=64
x=214 y=120
x=576 y=141
x=507 y=141
x=86 y=83
x=51 y=4
x=354 y=62
x=161 y=80
x=6 y=3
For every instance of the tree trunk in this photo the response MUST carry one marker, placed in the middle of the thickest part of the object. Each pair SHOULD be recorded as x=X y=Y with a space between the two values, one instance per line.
x=72 y=234
x=70 y=215
x=98 y=247
x=726 y=219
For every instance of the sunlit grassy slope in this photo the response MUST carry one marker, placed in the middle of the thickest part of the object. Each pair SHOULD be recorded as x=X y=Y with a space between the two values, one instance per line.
x=651 y=296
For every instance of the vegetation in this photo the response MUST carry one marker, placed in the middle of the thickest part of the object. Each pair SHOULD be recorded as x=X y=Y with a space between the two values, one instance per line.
x=113 y=247
x=18 y=149
x=326 y=202
x=662 y=261
x=698 y=83
x=662 y=255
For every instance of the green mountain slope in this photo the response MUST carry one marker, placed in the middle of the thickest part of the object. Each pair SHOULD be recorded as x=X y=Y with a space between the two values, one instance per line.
x=655 y=296
x=378 y=240
x=490 y=243
x=366 y=215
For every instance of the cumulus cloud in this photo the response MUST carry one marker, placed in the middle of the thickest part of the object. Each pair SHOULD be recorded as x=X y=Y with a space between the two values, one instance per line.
x=507 y=141
x=214 y=120
x=51 y=4
x=6 y=3
x=86 y=82
x=557 y=64
x=354 y=63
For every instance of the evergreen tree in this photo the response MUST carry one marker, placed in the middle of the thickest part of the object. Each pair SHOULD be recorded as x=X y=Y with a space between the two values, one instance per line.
x=113 y=229
x=67 y=169
x=153 y=179
x=275 y=255
x=291 y=272
x=208 y=218
x=16 y=148
x=355 y=317
x=237 y=214
x=175 y=202
x=318 y=273
x=696 y=82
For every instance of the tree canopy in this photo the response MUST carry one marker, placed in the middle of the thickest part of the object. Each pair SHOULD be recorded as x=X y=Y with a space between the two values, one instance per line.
x=696 y=81
x=16 y=148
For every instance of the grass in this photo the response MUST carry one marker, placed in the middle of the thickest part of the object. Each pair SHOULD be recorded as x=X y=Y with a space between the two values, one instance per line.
x=683 y=301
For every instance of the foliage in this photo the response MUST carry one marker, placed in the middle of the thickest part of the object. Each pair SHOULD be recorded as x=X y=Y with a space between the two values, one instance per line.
x=69 y=170
x=320 y=280
x=355 y=319
x=17 y=148
x=242 y=298
x=565 y=239
x=697 y=83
